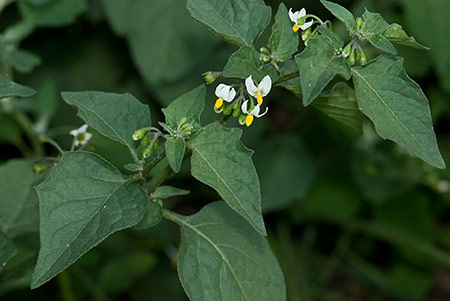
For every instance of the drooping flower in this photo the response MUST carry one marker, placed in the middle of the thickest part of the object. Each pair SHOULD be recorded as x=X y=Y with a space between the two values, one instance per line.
x=261 y=91
x=224 y=93
x=299 y=19
x=253 y=113
x=81 y=136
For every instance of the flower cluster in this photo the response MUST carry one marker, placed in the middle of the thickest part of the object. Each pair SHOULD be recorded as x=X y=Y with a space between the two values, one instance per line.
x=227 y=94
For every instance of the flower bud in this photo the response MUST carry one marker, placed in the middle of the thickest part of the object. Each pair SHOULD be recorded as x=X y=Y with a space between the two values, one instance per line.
x=347 y=50
x=39 y=168
x=146 y=140
x=351 y=57
x=360 y=25
x=306 y=34
x=186 y=129
x=264 y=50
x=236 y=112
x=361 y=57
x=265 y=58
x=242 y=119
x=138 y=134
x=211 y=76
x=228 y=110
x=147 y=151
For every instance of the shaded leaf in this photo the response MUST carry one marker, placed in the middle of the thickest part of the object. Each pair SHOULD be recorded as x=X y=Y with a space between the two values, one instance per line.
x=83 y=201
x=395 y=33
x=239 y=22
x=152 y=216
x=164 y=192
x=245 y=62
x=318 y=65
x=7 y=249
x=18 y=201
x=222 y=258
x=341 y=104
x=374 y=30
x=397 y=107
x=283 y=40
x=115 y=116
x=342 y=14
x=10 y=88
x=221 y=161
x=24 y=61
x=175 y=148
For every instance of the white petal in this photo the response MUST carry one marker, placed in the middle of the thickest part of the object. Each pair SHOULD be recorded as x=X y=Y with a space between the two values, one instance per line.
x=83 y=128
x=221 y=90
x=230 y=96
x=301 y=13
x=265 y=85
x=306 y=25
x=255 y=111
x=87 y=136
x=251 y=88
x=74 y=133
x=244 y=107
x=260 y=115
x=292 y=15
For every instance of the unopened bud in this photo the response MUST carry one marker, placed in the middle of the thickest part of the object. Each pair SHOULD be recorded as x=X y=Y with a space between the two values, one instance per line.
x=39 y=168
x=211 y=76
x=265 y=58
x=361 y=57
x=347 y=50
x=242 y=119
x=138 y=134
x=264 y=50
x=228 y=110
x=306 y=34
x=236 y=111
x=146 y=140
x=147 y=151
x=351 y=57
x=360 y=24
x=187 y=129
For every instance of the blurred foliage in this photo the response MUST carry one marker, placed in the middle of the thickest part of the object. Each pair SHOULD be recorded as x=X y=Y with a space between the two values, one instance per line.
x=357 y=217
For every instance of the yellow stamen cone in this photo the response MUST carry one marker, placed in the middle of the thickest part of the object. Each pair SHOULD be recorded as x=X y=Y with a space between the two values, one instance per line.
x=249 y=120
x=219 y=103
x=259 y=98
x=295 y=28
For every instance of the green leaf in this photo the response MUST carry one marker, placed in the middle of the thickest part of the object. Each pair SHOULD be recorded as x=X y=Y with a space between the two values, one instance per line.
x=395 y=33
x=152 y=216
x=164 y=192
x=53 y=13
x=374 y=30
x=10 y=88
x=18 y=202
x=239 y=22
x=342 y=14
x=83 y=201
x=318 y=65
x=286 y=171
x=245 y=62
x=188 y=106
x=222 y=258
x=175 y=148
x=24 y=61
x=397 y=107
x=165 y=42
x=7 y=249
x=115 y=116
x=221 y=161
x=283 y=40
x=341 y=104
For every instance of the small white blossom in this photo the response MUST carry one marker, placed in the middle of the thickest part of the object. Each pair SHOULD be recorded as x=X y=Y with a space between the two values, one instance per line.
x=298 y=18
x=261 y=91
x=253 y=113
x=81 y=136
x=224 y=93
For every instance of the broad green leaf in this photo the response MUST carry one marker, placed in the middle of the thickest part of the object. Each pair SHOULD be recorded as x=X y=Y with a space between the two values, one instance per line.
x=83 y=201
x=165 y=42
x=283 y=41
x=188 y=106
x=221 y=161
x=239 y=22
x=222 y=258
x=24 y=61
x=395 y=33
x=397 y=107
x=10 y=88
x=374 y=30
x=175 y=148
x=121 y=274
x=286 y=171
x=341 y=104
x=152 y=216
x=342 y=14
x=18 y=202
x=115 y=116
x=245 y=62
x=7 y=249
x=318 y=65
x=164 y=192
x=53 y=13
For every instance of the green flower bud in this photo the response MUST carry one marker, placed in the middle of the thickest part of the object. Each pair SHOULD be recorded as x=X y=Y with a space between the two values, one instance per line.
x=265 y=58
x=147 y=151
x=236 y=112
x=186 y=129
x=361 y=57
x=264 y=50
x=347 y=50
x=39 y=168
x=360 y=25
x=306 y=34
x=211 y=76
x=138 y=134
x=242 y=119
x=228 y=110
x=351 y=57
x=146 y=140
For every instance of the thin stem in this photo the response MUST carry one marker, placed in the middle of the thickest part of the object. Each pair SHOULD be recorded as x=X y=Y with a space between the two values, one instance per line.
x=287 y=77
x=65 y=286
x=24 y=122
x=158 y=179
x=152 y=164
x=54 y=143
x=314 y=17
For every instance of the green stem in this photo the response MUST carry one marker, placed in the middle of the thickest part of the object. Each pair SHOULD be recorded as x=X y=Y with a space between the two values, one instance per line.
x=224 y=119
x=65 y=286
x=25 y=124
x=287 y=77
x=54 y=143
x=152 y=164
x=172 y=216
x=158 y=179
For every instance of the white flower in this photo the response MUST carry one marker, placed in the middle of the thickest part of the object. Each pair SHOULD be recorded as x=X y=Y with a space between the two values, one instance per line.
x=253 y=113
x=81 y=136
x=262 y=90
x=298 y=18
x=224 y=93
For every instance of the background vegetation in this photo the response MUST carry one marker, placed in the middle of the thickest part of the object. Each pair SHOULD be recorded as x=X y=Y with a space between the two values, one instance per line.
x=350 y=216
